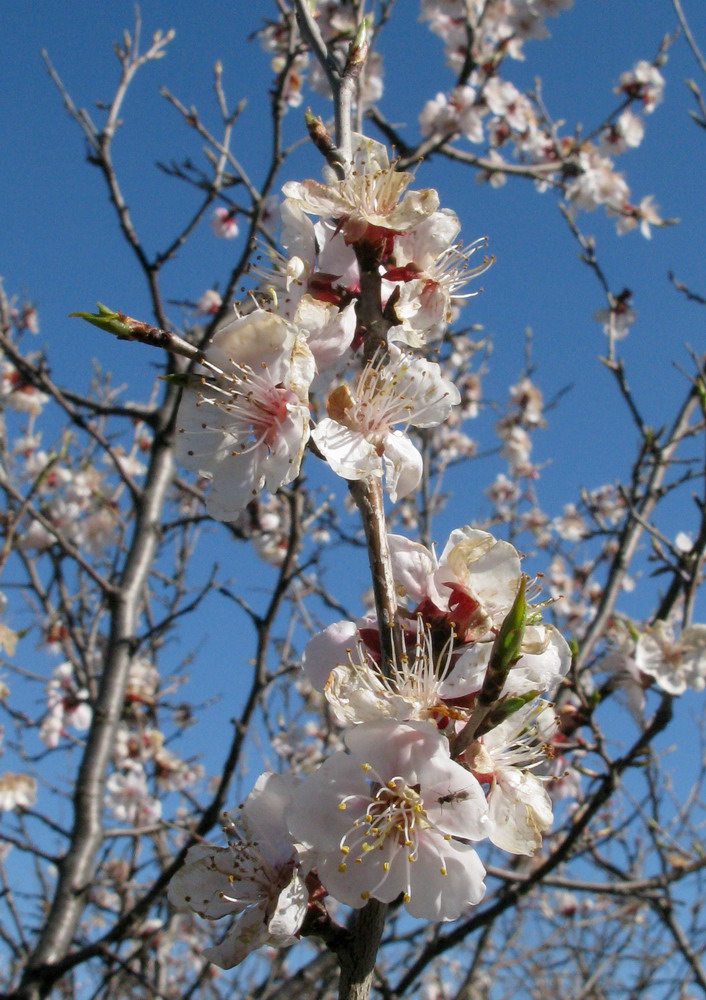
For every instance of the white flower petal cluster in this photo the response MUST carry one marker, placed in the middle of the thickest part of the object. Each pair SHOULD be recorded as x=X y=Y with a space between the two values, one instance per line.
x=359 y=438
x=676 y=664
x=303 y=363
x=638 y=657
x=372 y=196
x=67 y=705
x=255 y=879
x=474 y=582
x=392 y=816
x=17 y=791
x=244 y=422
x=519 y=806
x=429 y=767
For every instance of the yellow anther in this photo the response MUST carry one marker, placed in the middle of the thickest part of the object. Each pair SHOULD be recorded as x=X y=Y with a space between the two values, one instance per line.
x=342 y=867
x=345 y=850
x=342 y=806
x=443 y=871
x=367 y=767
x=386 y=866
x=406 y=897
x=365 y=895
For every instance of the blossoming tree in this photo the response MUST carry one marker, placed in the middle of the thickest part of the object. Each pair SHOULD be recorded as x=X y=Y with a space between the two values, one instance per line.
x=461 y=790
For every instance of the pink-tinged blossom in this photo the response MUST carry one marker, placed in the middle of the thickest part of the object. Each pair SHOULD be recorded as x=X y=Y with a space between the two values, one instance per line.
x=19 y=394
x=676 y=664
x=607 y=503
x=224 y=223
x=617 y=319
x=358 y=691
x=209 y=303
x=129 y=799
x=528 y=399
x=394 y=816
x=429 y=271
x=520 y=809
x=626 y=133
x=493 y=174
x=143 y=682
x=571 y=526
x=517 y=447
x=26 y=318
x=644 y=215
x=504 y=100
x=597 y=183
x=255 y=879
x=244 y=422
x=67 y=705
x=371 y=197
x=358 y=437
x=17 y=791
x=644 y=83
x=504 y=493
x=458 y=114
x=474 y=582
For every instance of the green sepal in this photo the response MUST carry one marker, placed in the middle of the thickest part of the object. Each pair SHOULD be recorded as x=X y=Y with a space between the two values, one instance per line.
x=506 y=707
x=179 y=378
x=508 y=644
x=107 y=319
x=506 y=648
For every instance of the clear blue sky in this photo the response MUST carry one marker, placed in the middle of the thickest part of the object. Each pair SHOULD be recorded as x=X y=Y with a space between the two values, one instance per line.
x=60 y=245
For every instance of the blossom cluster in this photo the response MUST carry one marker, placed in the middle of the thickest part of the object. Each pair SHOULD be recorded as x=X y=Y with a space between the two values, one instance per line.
x=337 y=22
x=447 y=739
x=305 y=365
x=488 y=110
x=485 y=108
x=442 y=741
x=441 y=751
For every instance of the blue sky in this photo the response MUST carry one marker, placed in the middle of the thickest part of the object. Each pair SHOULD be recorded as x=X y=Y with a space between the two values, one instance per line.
x=60 y=245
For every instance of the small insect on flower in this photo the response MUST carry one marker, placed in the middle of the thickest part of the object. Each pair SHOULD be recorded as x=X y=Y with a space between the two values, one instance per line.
x=460 y=796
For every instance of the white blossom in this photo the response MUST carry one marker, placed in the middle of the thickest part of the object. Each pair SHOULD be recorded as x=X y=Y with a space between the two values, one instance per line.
x=244 y=422
x=358 y=437
x=394 y=816
x=675 y=664
x=372 y=195
x=255 y=879
x=17 y=791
